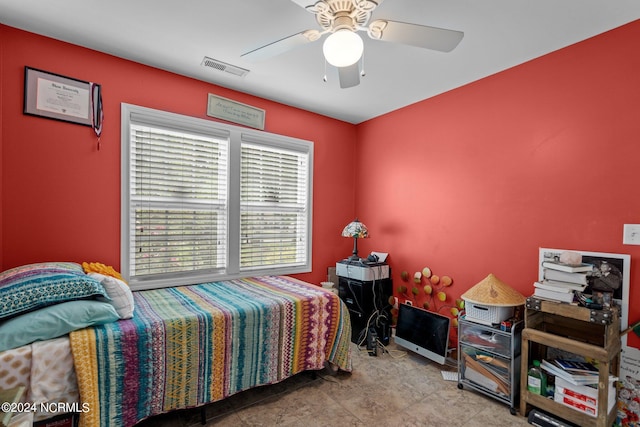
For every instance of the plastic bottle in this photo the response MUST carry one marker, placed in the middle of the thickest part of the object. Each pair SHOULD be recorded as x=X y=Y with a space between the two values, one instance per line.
x=536 y=379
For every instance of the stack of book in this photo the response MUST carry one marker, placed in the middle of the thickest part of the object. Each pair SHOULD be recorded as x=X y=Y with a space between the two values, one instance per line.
x=561 y=281
x=575 y=372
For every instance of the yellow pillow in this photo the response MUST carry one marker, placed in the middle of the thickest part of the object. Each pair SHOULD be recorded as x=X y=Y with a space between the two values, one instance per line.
x=97 y=267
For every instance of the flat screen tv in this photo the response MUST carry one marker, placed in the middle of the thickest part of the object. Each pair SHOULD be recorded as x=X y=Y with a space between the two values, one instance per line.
x=424 y=332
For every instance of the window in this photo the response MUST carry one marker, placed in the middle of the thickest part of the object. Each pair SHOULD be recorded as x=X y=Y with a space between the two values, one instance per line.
x=204 y=201
x=273 y=206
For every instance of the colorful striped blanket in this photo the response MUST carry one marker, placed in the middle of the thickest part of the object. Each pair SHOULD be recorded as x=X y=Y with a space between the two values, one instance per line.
x=190 y=345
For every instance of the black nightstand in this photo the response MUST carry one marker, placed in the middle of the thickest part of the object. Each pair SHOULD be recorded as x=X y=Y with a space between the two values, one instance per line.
x=366 y=295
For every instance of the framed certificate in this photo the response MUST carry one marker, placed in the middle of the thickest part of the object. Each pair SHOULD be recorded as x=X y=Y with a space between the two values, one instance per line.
x=57 y=97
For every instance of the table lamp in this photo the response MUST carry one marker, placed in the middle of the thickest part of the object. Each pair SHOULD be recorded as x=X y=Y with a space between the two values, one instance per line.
x=357 y=230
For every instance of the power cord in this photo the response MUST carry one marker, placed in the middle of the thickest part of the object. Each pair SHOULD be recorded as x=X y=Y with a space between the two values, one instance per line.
x=365 y=331
x=394 y=354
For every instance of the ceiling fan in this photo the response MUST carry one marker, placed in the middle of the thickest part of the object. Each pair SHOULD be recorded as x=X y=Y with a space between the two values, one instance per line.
x=343 y=48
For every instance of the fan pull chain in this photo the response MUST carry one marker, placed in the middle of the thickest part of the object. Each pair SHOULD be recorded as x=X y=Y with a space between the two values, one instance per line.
x=324 y=78
x=362 y=73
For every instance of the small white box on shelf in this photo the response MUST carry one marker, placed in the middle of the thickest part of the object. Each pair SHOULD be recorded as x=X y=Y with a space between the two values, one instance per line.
x=487 y=314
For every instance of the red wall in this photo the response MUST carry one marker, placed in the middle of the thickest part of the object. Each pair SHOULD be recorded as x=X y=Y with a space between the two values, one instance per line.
x=474 y=181
x=61 y=196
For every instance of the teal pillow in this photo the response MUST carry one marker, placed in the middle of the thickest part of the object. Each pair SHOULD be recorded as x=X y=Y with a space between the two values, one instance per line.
x=54 y=321
x=33 y=286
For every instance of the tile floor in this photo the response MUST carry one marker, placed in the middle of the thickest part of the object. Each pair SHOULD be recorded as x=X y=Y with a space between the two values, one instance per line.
x=397 y=388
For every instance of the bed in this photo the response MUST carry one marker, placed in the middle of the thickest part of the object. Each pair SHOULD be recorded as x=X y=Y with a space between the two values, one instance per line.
x=190 y=345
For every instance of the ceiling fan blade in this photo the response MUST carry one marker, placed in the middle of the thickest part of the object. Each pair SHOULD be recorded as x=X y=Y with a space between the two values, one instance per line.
x=281 y=46
x=314 y=6
x=304 y=3
x=423 y=36
x=349 y=76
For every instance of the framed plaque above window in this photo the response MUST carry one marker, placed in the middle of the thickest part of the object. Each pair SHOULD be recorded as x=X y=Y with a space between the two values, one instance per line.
x=57 y=97
x=234 y=111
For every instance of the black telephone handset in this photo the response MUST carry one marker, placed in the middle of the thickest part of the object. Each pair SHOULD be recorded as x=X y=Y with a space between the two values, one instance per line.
x=372 y=258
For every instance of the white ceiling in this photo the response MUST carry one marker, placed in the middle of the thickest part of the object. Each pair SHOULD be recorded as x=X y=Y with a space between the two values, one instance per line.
x=176 y=35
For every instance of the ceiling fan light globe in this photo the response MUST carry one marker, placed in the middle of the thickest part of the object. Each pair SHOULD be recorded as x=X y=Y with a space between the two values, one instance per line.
x=343 y=48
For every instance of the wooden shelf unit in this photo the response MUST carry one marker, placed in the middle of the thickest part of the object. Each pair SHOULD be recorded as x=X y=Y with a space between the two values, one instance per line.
x=586 y=332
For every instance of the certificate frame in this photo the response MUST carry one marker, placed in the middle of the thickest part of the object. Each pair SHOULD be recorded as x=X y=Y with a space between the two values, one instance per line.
x=57 y=97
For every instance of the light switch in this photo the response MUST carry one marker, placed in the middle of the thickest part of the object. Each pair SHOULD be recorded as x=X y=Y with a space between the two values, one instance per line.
x=631 y=234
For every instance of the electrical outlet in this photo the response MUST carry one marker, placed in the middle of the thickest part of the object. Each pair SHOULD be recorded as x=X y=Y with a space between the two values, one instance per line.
x=631 y=234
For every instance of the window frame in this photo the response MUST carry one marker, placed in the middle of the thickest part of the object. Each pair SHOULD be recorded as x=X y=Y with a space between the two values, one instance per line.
x=237 y=135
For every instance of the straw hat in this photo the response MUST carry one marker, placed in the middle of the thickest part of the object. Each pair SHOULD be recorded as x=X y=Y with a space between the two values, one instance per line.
x=493 y=291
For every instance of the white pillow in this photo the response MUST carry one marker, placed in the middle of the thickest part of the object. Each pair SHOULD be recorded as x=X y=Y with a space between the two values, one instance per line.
x=119 y=292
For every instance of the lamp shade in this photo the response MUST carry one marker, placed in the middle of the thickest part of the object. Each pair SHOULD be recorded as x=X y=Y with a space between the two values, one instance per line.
x=355 y=229
x=343 y=48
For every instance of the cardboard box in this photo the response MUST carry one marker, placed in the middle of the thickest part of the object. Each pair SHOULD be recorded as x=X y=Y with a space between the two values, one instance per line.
x=591 y=401
x=575 y=404
x=583 y=398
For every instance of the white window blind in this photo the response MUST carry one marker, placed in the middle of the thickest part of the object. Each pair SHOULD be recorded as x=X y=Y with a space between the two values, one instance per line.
x=205 y=201
x=273 y=220
x=179 y=201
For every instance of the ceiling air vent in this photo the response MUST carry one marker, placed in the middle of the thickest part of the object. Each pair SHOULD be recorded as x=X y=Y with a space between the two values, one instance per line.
x=224 y=67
